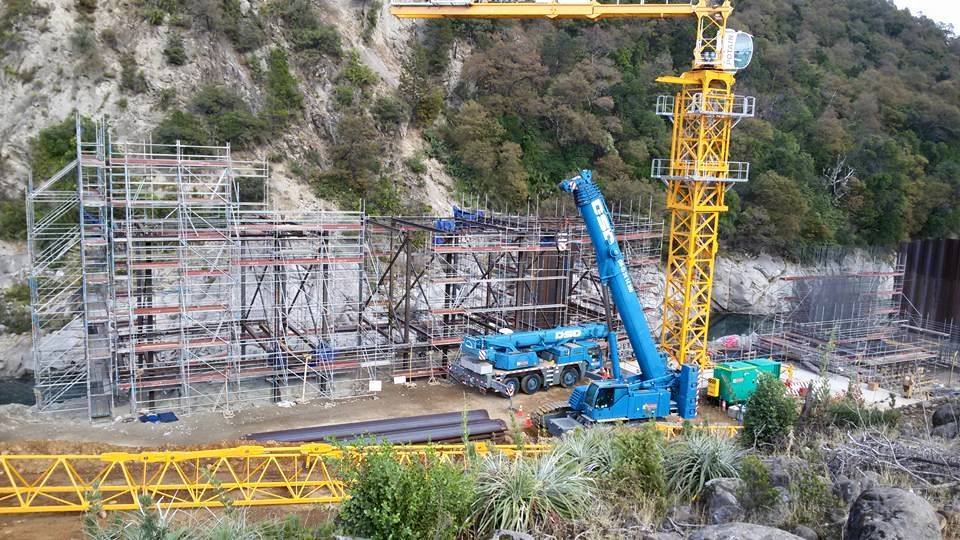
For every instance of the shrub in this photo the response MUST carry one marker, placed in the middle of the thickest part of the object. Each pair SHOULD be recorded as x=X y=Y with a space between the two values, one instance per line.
x=757 y=491
x=166 y=98
x=418 y=499
x=770 y=413
x=639 y=461
x=812 y=502
x=343 y=95
x=54 y=147
x=415 y=164
x=528 y=494
x=357 y=72
x=132 y=78
x=181 y=126
x=13 y=219
x=15 y=308
x=109 y=38
x=227 y=116
x=388 y=112
x=849 y=414
x=695 y=459
x=251 y=190
x=83 y=41
x=86 y=7
x=174 y=51
x=305 y=30
x=283 y=95
x=245 y=31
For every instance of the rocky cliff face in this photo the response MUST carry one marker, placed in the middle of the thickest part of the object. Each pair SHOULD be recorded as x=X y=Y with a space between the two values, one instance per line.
x=65 y=60
x=757 y=285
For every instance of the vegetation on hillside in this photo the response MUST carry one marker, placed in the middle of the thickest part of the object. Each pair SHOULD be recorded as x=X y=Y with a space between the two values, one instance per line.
x=856 y=139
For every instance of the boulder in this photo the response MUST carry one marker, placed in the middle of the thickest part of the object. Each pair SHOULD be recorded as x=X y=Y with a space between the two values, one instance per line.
x=783 y=469
x=946 y=431
x=886 y=513
x=742 y=531
x=848 y=489
x=662 y=536
x=719 y=500
x=806 y=532
x=946 y=414
x=681 y=513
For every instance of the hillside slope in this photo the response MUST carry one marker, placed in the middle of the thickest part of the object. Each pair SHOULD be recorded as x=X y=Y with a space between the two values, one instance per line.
x=112 y=58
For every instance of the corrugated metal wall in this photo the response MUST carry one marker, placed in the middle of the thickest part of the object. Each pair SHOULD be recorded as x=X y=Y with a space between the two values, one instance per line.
x=932 y=278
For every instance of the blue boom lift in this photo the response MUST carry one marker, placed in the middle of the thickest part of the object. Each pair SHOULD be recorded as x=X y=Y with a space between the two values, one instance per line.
x=507 y=361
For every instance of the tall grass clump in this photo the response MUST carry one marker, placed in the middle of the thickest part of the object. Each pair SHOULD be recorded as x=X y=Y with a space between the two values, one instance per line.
x=695 y=459
x=530 y=494
x=592 y=450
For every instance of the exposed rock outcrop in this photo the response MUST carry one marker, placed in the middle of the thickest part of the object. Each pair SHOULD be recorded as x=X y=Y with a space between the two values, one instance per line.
x=742 y=531
x=755 y=284
x=946 y=414
x=719 y=500
x=886 y=513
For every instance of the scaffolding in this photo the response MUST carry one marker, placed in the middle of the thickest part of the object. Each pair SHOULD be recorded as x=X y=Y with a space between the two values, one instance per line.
x=854 y=323
x=162 y=279
x=441 y=278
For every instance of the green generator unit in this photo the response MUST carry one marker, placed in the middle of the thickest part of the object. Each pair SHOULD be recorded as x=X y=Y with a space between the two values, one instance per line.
x=735 y=382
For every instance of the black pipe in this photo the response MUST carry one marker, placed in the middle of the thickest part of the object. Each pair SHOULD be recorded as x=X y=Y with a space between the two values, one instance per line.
x=373 y=427
x=474 y=430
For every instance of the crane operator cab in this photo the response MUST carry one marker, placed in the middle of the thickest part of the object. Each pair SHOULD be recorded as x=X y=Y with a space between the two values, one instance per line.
x=737 y=50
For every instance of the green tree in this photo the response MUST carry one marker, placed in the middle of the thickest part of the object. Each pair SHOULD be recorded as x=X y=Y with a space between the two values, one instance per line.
x=770 y=414
x=356 y=152
x=284 y=99
x=417 y=87
x=774 y=214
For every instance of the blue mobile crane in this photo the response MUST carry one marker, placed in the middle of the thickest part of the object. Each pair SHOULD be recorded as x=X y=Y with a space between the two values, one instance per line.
x=529 y=361
x=506 y=362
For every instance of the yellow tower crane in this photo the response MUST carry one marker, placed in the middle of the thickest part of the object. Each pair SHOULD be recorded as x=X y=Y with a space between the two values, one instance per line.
x=698 y=173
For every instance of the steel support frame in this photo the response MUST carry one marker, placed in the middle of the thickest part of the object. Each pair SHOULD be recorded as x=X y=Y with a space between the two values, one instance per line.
x=696 y=185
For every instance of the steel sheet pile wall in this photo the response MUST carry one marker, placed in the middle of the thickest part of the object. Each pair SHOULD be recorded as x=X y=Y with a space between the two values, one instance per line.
x=932 y=281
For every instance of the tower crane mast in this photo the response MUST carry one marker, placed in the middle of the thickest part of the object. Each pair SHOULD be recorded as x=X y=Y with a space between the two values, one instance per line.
x=698 y=172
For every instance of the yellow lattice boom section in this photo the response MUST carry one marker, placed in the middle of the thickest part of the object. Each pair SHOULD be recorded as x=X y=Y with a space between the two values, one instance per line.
x=454 y=9
x=239 y=476
x=242 y=476
x=698 y=175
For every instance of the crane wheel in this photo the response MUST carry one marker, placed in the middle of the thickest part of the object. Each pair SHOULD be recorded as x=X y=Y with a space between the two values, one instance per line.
x=531 y=384
x=569 y=377
x=514 y=384
x=546 y=412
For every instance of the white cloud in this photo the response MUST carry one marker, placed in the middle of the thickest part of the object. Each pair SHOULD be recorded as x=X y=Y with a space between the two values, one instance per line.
x=944 y=11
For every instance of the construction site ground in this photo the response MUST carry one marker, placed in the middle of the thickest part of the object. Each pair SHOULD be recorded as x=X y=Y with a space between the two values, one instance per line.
x=23 y=430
